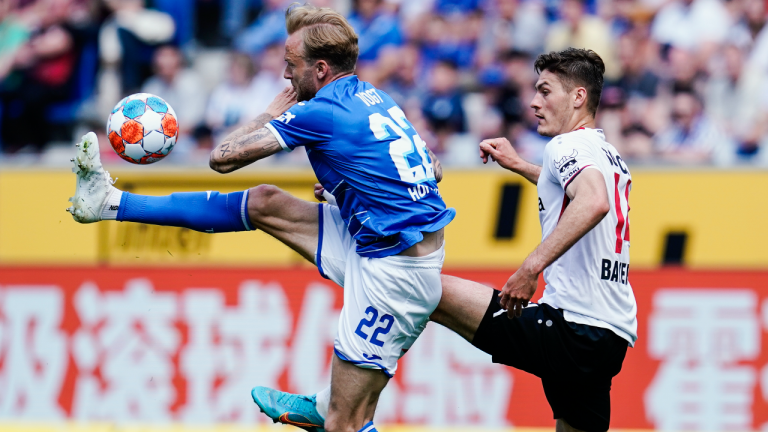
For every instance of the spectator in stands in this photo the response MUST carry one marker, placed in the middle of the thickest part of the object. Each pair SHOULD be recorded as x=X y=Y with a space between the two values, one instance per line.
x=637 y=143
x=577 y=29
x=755 y=17
x=268 y=29
x=406 y=84
x=245 y=94
x=443 y=103
x=659 y=55
x=45 y=66
x=611 y=117
x=685 y=69
x=127 y=42
x=694 y=25
x=456 y=7
x=482 y=116
x=733 y=100
x=13 y=35
x=619 y=15
x=642 y=108
x=230 y=101
x=511 y=25
x=269 y=80
x=376 y=29
x=449 y=40
x=181 y=87
x=749 y=23
x=624 y=125
x=517 y=67
x=636 y=78
x=526 y=139
x=413 y=16
x=692 y=138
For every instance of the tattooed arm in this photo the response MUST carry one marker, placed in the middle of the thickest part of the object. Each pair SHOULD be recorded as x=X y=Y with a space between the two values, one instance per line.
x=436 y=165
x=253 y=141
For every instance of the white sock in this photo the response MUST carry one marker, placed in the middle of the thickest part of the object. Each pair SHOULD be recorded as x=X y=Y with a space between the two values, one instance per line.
x=323 y=400
x=113 y=204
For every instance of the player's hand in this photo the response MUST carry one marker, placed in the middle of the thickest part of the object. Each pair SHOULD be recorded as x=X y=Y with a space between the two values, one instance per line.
x=499 y=150
x=284 y=100
x=319 y=189
x=517 y=292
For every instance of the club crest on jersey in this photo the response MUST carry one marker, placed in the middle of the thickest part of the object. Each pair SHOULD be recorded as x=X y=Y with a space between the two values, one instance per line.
x=566 y=162
x=567 y=165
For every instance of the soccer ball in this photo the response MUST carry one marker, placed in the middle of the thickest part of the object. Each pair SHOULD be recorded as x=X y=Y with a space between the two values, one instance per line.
x=142 y=128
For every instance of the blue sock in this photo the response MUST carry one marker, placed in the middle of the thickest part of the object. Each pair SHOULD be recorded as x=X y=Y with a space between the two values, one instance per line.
x=369 y=427
x=210 y=212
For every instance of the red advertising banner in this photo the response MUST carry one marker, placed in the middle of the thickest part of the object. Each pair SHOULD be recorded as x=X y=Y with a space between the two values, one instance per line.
x=186 y=345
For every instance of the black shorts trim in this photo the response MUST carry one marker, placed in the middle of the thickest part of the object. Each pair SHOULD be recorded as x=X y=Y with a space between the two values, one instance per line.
x=576 y=362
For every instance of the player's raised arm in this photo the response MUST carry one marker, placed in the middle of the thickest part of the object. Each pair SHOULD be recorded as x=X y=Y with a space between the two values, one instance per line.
x=253 y=141
x=501 y=151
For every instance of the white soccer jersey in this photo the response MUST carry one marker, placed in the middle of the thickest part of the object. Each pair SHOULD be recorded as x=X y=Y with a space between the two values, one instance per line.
x=590 y=281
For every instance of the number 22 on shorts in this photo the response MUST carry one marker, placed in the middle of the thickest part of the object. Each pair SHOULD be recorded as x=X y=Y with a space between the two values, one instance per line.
x=371 y=314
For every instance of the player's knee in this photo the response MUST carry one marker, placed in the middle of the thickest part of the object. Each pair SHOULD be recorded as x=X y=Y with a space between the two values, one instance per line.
x=261 y=200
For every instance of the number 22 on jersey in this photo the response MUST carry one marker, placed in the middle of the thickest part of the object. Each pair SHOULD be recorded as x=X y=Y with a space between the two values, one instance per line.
x=400 y=148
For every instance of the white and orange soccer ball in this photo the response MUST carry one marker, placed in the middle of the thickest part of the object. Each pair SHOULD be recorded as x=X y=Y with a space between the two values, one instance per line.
x=142 y=128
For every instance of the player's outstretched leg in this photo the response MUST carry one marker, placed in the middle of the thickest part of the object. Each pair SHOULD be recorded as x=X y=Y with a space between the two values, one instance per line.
x=296 y=410
x=290 y=220
x=96 y=199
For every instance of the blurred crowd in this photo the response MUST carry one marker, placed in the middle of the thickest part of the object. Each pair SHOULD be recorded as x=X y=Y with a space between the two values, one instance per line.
x=685 y=79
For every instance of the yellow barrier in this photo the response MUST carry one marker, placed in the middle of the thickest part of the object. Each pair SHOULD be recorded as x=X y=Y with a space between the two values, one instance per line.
x=722 y=212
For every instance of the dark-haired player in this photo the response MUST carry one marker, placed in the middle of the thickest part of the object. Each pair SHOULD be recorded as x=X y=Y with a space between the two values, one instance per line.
x=576 y=338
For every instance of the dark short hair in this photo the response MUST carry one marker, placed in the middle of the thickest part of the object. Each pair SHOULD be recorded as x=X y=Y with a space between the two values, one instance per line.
x=576 y=67
x=448 y=63
x=679 y=87
x=514 y=54
x=686 y=89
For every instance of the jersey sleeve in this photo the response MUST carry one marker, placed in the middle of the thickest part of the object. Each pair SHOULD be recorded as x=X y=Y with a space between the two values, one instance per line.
x=304 y=124
x=566 y=159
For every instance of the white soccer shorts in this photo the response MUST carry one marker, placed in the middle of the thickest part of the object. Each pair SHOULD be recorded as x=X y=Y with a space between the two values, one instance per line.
x=387 y=301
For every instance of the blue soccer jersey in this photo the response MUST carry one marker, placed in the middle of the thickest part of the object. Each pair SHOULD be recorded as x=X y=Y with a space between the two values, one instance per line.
x=365 y=152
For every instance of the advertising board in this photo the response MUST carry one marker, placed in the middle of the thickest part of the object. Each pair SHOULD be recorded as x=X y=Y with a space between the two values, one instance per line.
x=185 y=346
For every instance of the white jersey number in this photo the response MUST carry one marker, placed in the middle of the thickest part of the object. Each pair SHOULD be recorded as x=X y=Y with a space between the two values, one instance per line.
x=399 y=149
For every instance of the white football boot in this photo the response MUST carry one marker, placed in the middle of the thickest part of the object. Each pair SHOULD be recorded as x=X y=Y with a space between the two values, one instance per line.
x=94 y=185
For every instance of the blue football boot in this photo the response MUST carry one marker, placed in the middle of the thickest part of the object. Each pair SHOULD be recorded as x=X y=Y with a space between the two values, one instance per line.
x=287 y=408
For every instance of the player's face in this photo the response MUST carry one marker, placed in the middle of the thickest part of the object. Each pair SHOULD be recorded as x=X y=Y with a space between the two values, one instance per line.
x=298 y=70
x=552 y=105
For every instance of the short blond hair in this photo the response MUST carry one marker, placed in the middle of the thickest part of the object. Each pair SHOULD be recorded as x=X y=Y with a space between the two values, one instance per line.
x=327 y=35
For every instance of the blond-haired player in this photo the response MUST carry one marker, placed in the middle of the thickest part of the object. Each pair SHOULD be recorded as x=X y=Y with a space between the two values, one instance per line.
x=576 y=338
x=381 y=237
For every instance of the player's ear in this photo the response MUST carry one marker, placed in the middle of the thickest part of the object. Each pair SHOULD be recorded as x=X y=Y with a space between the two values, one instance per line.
x=322 y=69
x=580 y=97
